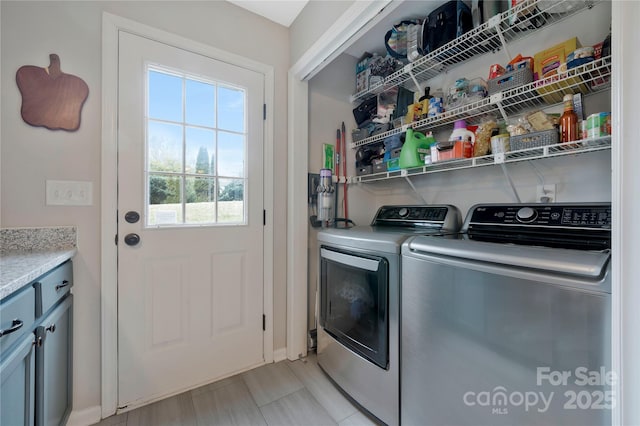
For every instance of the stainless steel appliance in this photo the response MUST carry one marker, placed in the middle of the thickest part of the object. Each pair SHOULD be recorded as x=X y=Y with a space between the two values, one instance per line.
x=358 y=330
x=508 y=322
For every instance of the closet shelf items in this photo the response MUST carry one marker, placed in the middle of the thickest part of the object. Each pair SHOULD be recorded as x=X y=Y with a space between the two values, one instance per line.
x=519 y=22
x=589 y=78
x=557 y=150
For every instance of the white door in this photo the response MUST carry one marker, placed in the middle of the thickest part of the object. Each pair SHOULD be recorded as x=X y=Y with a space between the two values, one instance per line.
x=190 y=164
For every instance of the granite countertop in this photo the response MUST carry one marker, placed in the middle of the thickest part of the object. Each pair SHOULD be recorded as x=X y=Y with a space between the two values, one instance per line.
x=27 y=253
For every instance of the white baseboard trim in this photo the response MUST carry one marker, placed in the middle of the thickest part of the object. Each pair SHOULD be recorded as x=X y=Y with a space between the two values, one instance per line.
x=85 y=417
x=280 y=354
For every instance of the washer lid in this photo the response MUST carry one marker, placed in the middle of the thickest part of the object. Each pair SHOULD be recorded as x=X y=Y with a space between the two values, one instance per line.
x=578 y=263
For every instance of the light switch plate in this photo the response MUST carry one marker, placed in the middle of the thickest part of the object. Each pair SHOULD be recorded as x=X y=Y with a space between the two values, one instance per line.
x=69 y=193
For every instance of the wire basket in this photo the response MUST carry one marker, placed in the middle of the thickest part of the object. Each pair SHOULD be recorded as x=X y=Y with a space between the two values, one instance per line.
x=510 y=80
x=534 y=140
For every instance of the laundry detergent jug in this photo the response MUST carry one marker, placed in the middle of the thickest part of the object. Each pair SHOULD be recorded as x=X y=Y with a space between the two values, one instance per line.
x=416 y=147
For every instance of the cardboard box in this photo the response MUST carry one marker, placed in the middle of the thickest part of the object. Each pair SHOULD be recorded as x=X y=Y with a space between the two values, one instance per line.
x=547 y=62
x=443 y=151
x=599 y=125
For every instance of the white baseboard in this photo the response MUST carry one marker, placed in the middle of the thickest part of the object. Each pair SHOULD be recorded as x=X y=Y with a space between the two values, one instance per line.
x=85 y=417
x=280 y=354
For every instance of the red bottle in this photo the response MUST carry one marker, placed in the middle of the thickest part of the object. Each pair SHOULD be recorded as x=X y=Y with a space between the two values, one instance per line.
x=568 y=121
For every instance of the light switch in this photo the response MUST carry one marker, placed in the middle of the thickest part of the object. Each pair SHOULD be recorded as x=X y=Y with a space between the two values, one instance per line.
x=69 y=193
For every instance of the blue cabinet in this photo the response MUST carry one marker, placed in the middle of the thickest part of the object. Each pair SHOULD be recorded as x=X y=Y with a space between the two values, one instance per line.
x=36 y=337
x=53 y=365
x=17 y=388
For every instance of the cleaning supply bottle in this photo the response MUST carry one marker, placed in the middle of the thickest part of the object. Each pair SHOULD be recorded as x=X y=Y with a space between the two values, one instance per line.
x=462 y=137
x=416 y=147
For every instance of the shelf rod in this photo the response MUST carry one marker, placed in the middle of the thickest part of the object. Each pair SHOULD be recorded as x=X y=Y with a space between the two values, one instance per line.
x=503 y=113
x=513 y=187
x=415 y=190
x=415 y=80
x=504 y=43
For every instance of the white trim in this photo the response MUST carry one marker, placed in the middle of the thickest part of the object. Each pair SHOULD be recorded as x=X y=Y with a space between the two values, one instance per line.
x=279 y=354
x=297 y=244
x=335 y=40
x=626 y=208
x=357 y=18
x=616 y=198
x=111 y=25
x=88 y=416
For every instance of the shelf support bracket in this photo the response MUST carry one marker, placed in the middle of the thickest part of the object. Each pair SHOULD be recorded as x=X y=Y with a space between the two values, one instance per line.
x=415 y=190
x=409 y=70
x=508 y=177
x=494 y=22
x=496 y=99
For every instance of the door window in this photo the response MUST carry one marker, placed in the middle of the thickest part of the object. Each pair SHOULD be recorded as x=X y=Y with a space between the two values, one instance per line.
x=196 y=138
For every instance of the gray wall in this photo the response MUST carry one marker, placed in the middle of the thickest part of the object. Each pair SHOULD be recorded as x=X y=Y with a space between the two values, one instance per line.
x=313 y=21
x=30 y=156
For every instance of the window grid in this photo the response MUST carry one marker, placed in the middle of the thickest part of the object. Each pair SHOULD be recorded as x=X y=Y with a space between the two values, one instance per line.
x=183 y=175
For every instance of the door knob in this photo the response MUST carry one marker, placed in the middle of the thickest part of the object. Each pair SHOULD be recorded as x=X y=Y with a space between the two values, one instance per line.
x=131 y=216
x=132 y=239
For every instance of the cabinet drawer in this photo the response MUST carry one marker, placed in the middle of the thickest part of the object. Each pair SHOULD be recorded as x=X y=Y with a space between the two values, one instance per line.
x=52 y=287
x=16 y=317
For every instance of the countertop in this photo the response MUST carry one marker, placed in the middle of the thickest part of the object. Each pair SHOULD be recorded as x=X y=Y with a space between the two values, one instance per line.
x=27 y=253
x=20 y=268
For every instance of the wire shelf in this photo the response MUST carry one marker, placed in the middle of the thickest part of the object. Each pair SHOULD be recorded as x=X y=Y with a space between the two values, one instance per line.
x=557 y=150
x=589 y=78
x=519 y=22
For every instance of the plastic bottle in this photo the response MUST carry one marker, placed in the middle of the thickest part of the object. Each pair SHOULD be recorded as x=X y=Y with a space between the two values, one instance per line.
x=416 y=147
x=568 y=121
x=460 y=132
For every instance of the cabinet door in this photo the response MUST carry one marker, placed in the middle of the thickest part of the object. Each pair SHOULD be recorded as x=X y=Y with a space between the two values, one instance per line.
x=17 y=387
x=54 y=366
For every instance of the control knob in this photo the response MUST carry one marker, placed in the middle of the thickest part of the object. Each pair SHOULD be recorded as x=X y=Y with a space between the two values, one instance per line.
x=526 y=214
x=403 y=212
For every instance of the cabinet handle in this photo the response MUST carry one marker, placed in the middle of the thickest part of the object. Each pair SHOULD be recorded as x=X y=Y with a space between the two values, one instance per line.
x=63 y=285
x=16 y=324
x=51 y=328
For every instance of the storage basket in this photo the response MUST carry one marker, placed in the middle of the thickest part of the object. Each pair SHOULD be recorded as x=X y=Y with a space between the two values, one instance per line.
x=535 y=139
x=510 y=80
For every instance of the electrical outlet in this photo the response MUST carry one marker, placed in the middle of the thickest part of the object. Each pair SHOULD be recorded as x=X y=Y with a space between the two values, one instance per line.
x=69 y=193
x=546 y=193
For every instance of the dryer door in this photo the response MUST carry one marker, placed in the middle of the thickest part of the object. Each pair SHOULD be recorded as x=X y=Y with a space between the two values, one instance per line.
x=354 y=295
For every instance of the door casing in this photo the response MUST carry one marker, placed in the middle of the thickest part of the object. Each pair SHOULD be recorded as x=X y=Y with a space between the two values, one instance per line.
x=111 y=26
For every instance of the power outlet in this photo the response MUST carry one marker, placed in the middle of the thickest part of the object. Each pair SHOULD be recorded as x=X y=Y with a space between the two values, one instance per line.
x=546 y=193
x=69 y=193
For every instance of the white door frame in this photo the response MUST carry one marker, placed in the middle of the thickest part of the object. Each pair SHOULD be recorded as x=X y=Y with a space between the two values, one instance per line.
x=111 y=26
x=625 y=175
x=358 y=18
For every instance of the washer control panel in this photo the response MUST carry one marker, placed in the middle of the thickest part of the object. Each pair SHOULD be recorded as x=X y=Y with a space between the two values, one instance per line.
x=574 y=215
x=445 y=217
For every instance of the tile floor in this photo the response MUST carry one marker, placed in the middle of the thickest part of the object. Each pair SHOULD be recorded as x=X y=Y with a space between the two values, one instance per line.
x=287 y=393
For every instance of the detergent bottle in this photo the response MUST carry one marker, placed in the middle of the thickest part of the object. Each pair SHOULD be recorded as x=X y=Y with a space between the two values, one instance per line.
x=416 y=147
x=462 y=139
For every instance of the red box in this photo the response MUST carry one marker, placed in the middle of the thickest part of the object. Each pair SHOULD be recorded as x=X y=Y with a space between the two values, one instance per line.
x=452 y=150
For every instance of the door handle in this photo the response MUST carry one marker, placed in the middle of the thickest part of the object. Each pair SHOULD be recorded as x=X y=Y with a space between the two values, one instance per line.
x=132 y=239
x=63 y=285
x=16 y=324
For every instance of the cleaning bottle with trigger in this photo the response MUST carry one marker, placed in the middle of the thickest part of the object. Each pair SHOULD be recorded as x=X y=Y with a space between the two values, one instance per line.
x=416 y=147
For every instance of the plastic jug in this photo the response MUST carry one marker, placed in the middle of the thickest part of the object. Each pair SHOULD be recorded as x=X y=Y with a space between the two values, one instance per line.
x=460 y=132
x=416 y=147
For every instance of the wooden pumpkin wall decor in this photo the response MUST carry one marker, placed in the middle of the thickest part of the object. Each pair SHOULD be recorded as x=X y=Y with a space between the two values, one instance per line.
x=51 y=98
